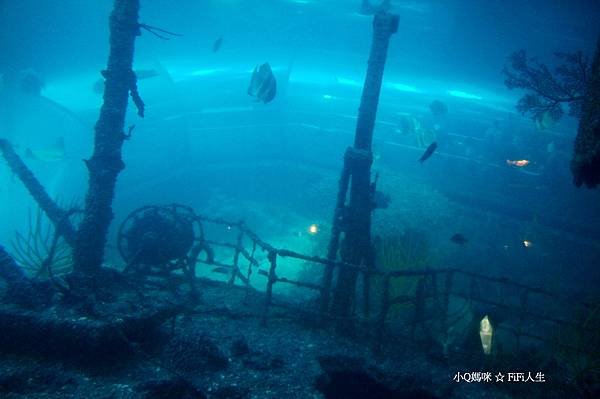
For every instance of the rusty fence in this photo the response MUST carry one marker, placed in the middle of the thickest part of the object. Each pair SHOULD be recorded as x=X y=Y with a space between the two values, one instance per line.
x=535 y=312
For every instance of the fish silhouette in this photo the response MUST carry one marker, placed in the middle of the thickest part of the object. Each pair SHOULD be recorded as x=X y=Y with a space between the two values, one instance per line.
x=263 y=85
x=217 y=44
x=428 y=152
x=459 y=239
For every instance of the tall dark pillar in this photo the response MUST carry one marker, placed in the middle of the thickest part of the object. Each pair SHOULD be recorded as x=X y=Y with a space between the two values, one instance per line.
x=354 y=218
x=105 y=164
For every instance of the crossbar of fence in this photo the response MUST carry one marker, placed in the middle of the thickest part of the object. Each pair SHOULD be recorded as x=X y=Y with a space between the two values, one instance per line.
x=428 y=281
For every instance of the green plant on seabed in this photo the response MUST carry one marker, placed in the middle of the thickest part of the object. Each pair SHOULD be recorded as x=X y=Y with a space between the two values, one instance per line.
x=40 y=251
x=579 y=353
x=407 y=251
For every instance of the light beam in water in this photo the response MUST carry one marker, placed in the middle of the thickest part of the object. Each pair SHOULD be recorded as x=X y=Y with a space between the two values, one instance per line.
x=464 y=94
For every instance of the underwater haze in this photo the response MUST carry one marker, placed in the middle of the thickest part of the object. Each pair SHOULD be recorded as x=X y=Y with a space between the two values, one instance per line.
x=250 y=106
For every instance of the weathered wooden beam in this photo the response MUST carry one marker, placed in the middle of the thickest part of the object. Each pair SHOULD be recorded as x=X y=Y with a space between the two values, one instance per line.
x=57 y=216
x=106 y=163
x=356 y=246
x=269 y=292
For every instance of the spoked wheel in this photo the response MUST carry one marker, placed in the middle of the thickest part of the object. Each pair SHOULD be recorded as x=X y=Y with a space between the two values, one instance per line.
x=157 y=236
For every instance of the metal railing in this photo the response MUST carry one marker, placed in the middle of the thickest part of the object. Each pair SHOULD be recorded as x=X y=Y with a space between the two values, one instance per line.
x=435 y=290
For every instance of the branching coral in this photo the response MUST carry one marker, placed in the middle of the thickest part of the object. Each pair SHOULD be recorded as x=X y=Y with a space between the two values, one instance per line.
x=548 y=90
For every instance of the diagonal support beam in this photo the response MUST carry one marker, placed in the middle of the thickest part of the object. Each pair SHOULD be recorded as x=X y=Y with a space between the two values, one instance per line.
x=57 y=216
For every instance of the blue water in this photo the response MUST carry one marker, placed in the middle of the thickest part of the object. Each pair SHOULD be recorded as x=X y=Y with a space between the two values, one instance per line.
x=206 y=143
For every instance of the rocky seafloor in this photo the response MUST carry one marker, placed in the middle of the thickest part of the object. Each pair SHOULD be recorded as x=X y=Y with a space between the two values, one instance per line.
x=216 y=348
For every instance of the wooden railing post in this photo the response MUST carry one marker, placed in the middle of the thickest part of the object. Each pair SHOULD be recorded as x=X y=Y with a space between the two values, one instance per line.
x=356 y=246
x=336 y=231
x=385 y=307
x=419 y=314
x=272 y=279
x=236 y=254
x=249 y=271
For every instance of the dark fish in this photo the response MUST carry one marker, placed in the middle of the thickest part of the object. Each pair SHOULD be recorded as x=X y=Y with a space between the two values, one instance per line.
x=428 y=152
x=217 y=44
x=438 y=108
x=263 y=85
x=221 y=269
x=459 y=239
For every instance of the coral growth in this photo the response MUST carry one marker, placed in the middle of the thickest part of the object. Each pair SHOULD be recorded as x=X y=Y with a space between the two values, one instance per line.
x=408 y=251
x=547 y=90
x=40 y=251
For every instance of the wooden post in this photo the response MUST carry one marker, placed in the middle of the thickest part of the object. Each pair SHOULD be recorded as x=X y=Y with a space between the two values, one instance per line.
x=105 y=164
x=272 y=279
x=419 y=315
x=190 y=267
x=385 y=307
x=236 y=255
x=585 y=164
x=356 y=217
x=336 y=231
x=249 y=271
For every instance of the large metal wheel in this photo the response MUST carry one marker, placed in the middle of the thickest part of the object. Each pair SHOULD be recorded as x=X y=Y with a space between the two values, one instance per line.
x=158 y=235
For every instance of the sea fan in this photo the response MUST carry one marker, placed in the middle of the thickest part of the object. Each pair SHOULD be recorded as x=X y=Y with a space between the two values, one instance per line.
x=39 y=251
x=408 y=251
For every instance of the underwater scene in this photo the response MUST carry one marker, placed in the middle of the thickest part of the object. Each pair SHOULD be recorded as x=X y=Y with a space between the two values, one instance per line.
x=299 y=199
